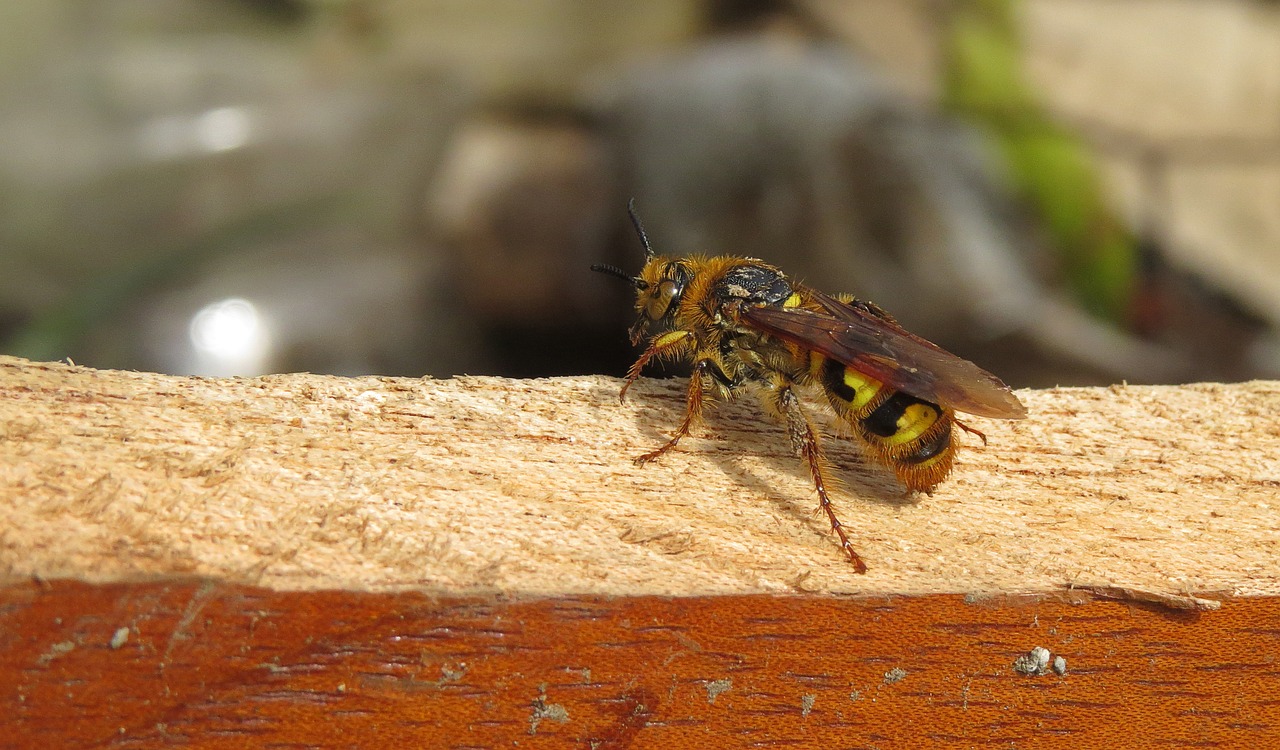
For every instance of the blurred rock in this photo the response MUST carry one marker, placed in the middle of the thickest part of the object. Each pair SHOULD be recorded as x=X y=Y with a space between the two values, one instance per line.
x=332 y=301
x=900 y=38
x=524 y=205
x=1182 y=102
x=798 y=153
x=145 y=144
x=531 y=50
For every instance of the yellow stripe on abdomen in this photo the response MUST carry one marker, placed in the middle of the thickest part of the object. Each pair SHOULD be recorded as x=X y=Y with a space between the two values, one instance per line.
x=907 y=434
x=846 y=388
x=916 y=419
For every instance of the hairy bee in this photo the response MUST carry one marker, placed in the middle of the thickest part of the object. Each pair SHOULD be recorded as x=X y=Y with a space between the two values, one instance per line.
x=743 y=323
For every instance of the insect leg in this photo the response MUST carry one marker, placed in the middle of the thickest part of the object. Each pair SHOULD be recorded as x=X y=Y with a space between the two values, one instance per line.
x=971 y=430
x=666 y=345
x=805 y=440
x=693 y=410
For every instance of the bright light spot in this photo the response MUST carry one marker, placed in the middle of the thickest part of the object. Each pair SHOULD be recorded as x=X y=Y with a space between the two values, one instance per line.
x=230 y=338
x=223 y=129
x=178 y=136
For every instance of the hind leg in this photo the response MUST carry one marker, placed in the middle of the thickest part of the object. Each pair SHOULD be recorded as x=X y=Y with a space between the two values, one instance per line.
x=805 y=439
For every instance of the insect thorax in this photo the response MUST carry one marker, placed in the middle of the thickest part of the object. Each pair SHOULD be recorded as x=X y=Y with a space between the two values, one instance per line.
x=753 y=284
x=745 y=353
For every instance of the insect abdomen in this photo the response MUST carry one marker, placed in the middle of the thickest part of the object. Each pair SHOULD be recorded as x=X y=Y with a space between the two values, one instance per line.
x=909 y=435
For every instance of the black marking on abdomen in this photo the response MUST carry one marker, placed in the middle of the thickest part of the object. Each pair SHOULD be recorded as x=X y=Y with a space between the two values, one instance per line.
x=883 y=421
x=833 y=379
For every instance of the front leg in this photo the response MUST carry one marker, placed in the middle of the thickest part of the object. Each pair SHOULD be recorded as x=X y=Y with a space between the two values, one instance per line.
x=692 y=413
x=669 y=345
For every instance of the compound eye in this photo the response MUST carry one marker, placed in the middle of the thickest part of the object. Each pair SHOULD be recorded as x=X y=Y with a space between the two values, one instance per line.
x=660 y=303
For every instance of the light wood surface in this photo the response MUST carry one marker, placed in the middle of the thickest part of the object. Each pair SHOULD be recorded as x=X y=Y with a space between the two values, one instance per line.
x=481 y=484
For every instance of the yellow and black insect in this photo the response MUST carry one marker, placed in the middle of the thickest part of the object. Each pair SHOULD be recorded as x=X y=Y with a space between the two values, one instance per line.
x=744 y=324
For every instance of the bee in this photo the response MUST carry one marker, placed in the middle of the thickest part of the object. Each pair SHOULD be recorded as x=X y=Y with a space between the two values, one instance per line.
x=744 y=324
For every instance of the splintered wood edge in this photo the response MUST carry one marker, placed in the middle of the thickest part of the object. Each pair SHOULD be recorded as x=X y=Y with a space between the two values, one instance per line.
x=527 y=487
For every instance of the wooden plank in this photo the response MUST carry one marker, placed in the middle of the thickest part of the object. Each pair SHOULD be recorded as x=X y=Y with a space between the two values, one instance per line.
x=485 y=484
x=561 y=596
x=217 y=665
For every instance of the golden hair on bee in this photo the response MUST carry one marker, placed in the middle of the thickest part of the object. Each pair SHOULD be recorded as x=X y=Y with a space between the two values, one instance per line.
x=742 y=322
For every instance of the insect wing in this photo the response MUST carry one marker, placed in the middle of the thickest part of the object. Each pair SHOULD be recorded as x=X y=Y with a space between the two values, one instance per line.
x=879 y=348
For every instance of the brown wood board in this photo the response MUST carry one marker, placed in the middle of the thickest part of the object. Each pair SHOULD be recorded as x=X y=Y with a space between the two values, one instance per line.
x=205 y=664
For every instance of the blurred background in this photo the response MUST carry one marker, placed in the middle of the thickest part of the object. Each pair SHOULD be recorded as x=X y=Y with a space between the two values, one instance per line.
x=1066 y=191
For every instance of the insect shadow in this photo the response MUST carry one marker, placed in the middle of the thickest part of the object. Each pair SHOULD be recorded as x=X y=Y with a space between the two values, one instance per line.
x=731 y=430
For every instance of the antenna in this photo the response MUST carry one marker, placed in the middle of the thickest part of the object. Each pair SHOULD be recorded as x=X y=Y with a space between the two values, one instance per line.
x=614 y=271
x=635 y=222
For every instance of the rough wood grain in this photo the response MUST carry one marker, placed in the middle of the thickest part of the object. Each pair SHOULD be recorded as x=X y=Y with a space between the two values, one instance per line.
x=484 y=484
x=217 y=666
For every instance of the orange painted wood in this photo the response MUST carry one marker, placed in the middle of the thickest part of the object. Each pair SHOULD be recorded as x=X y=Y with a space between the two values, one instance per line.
x=214 y=665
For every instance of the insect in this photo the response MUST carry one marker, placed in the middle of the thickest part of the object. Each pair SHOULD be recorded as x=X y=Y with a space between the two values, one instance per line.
x=744 y=324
